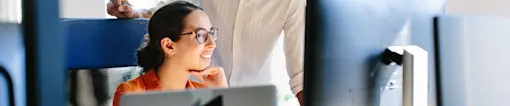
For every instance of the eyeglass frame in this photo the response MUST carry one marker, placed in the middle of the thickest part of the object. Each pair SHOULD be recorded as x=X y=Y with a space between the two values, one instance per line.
x=213 y=33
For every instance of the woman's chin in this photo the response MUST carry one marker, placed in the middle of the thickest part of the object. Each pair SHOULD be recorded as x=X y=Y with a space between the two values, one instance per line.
x=201 y=67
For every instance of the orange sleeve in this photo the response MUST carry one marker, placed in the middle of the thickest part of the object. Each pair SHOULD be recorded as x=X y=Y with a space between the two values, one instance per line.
x=121 y=90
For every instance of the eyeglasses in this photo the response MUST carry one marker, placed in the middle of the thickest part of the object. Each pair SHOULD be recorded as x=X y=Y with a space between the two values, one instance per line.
x=202 y=34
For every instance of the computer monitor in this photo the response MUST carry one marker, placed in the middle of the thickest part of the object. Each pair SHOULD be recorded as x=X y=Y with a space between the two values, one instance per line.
x=415 y=76
x=401 y=79
x=12 y=63
x=345 y=37
x=241 y=96
x=473 y=60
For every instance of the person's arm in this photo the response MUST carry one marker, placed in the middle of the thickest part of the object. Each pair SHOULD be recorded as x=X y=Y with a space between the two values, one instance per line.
x=161 y=3
x=117 y=9
x=144 y=13
x=294 y=44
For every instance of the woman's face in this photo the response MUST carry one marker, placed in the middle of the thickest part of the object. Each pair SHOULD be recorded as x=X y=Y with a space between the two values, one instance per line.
x=189 y=52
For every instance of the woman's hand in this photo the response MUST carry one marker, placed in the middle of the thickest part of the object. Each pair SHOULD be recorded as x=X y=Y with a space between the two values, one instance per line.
x=212 y=76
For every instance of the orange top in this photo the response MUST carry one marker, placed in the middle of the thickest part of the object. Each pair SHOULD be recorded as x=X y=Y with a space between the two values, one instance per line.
x=147 y=82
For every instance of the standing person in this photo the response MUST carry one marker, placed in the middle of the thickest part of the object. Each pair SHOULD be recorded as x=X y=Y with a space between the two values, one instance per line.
x=249 y=32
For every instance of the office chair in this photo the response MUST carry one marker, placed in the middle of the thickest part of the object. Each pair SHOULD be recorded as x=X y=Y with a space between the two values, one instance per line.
x=101 y=43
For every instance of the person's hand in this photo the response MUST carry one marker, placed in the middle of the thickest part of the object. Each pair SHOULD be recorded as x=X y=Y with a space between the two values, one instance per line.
x=121 y=10
x=212 y=76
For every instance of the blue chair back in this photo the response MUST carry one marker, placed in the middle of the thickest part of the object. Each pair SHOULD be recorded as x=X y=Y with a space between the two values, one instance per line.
x=103 y=43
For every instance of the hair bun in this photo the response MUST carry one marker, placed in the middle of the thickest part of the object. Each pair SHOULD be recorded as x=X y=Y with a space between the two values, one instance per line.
x=148 y=57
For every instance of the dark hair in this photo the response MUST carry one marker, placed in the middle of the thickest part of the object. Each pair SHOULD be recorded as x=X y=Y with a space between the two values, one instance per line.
x=168 y=21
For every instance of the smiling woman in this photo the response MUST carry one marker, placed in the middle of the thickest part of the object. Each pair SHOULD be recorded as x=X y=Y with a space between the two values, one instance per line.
x=182 y=41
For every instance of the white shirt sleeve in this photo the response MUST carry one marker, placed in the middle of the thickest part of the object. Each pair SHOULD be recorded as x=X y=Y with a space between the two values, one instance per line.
x=294 y=43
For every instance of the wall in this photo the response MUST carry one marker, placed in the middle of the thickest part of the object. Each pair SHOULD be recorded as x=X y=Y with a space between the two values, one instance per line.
x=486 y=7
x=9 y=10
x=94 y=8
x=82 y=8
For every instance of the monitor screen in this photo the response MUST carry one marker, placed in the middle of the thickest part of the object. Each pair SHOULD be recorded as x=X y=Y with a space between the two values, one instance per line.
x=344 y=39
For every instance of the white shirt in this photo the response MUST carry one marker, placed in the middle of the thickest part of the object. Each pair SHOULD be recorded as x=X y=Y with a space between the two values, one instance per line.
x=248 y=32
